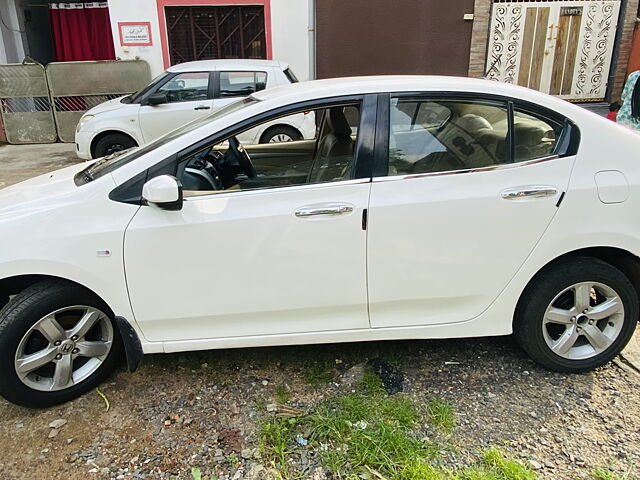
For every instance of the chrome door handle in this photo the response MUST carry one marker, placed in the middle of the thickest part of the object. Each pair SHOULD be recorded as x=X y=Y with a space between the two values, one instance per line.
x=323 y=210
x=202 y=107
x=529 y=192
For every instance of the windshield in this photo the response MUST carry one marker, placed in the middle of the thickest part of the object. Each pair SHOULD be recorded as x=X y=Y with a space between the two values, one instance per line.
x=135 y=97
x=111 y=162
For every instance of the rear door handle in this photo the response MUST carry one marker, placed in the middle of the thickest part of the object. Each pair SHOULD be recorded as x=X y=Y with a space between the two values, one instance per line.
x=202 y=107
x=326 y=210
x=534 y=191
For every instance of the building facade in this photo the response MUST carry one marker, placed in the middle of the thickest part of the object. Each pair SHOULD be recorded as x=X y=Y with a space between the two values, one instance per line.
x=576 y=49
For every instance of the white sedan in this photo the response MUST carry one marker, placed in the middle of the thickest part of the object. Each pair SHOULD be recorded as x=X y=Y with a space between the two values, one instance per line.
x=425 y=207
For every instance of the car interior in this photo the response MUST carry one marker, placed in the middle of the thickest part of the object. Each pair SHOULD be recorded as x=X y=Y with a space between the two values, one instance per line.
x=434 y=136
x=229 y=165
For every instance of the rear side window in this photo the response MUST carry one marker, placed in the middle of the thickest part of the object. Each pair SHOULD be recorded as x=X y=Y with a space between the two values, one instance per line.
x=428 y=135
x=535 y=136
x=435 y=135
x=290 y=75
x=241 y=84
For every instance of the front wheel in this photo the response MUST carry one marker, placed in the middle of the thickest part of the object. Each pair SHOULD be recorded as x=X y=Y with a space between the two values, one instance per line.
x=576 y=315
x=113 y=143
x=57 y=341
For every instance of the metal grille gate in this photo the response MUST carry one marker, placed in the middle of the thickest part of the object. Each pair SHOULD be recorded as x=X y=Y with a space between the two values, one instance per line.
x=41 y=105
x=202 y=33
x=24 y=104
x=78 y=86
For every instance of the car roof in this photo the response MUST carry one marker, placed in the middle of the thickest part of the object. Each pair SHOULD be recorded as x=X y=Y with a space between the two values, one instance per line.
x=236 y=64
x=346 y=86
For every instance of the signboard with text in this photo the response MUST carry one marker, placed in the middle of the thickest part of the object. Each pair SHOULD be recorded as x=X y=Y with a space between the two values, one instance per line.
x=135 y=34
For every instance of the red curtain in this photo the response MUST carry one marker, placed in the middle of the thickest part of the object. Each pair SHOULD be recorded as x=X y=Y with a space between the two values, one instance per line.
x=81 y=31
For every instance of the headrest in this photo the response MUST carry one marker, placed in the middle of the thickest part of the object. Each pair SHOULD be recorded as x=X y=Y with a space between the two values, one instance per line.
x=337 y=122
x=473 y=123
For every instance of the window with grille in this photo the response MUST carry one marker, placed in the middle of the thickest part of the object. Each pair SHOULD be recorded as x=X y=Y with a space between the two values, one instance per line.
x=203 y=33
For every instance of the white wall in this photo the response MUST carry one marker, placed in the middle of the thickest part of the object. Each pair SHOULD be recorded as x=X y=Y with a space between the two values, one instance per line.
x=289 y=28
x=13 y=38
x=137 y=11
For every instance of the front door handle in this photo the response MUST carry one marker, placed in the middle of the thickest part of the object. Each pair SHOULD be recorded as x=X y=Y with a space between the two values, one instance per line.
x=536 y=191
x=202 y=107
x=327 y=210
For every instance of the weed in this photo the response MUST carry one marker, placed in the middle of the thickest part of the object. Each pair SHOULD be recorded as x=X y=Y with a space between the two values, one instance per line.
x=602 y=473
x=233 y=460
x=282 y=394
x=319 y=372
x=441 y=415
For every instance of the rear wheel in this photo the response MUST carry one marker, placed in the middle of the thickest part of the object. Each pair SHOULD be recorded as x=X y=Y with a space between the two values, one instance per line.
x=576 y=315
x=112 y=143
x=279 y=134
x=57 y=341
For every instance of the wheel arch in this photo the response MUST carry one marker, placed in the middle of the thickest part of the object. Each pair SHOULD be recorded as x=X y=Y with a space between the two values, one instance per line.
x=622 y=259
x=101 y=135
x=13 y=285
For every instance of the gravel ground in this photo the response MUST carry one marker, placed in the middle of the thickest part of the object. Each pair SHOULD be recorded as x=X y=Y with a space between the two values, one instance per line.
x=561 y=425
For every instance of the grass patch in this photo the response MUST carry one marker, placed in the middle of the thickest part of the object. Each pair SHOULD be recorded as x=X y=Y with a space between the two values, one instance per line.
x=283 y=395
x=602 y=473
x=319 y=372
x=441 y=415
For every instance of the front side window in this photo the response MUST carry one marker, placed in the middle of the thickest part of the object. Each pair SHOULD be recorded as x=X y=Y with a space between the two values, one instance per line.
x=324 y=151
x=186 y=87
x=241 y=84
x=434 y=135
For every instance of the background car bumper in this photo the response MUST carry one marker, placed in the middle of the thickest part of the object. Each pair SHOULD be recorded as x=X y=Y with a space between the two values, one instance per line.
x=83 y=144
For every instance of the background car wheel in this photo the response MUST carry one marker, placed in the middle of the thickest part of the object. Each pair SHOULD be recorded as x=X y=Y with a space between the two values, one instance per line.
x=279 y=134
x=57 y=341
x=112 y=143
x=576 y=315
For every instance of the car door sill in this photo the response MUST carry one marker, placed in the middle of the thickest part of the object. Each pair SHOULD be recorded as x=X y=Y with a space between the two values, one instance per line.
x=470 y=328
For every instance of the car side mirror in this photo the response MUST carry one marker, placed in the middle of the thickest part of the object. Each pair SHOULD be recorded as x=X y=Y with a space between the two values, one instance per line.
x=164 y=191
x=156 y=98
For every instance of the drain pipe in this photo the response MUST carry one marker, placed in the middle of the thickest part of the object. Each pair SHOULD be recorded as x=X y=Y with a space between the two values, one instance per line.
x=312 y=39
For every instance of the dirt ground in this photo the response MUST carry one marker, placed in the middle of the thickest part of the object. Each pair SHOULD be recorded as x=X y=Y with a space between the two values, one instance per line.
x=562 y=426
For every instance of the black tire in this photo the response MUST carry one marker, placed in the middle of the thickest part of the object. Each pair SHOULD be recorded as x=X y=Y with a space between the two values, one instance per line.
x=543 y=289
x=112 y=143
x=276 y=130
x=20 y=314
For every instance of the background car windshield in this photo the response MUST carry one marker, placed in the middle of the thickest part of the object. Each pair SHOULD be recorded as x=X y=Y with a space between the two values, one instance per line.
x=135 y=97
x=112 y=162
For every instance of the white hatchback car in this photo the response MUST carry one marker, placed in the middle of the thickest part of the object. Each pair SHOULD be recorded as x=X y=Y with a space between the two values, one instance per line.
x=184 y=93
x=425 y=207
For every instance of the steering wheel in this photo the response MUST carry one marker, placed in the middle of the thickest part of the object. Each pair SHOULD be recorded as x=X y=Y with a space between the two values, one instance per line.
x=242 y=157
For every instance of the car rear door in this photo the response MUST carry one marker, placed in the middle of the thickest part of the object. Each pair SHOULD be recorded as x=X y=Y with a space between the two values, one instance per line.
x=464 y=189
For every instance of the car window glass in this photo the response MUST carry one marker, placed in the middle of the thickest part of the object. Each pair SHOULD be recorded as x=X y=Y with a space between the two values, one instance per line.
x=239 y=84
x=435 y=135
x=313 y=146
x=112 y=162
x=534 y=135
x=187 y=87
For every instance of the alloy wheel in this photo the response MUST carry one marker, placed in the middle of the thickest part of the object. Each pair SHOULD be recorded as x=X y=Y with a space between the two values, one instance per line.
x=583 y=320
x=64 y=348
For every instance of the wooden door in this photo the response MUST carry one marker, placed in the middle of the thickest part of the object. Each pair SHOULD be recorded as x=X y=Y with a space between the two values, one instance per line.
x=559 y=47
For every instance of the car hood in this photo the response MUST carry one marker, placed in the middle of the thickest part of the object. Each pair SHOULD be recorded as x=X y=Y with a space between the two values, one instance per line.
x=107 y=106
x=38 y=191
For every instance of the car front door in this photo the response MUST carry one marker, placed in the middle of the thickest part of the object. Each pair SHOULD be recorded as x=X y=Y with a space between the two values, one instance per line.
x=469 y=189
x=283 y=253
x=189 y=96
